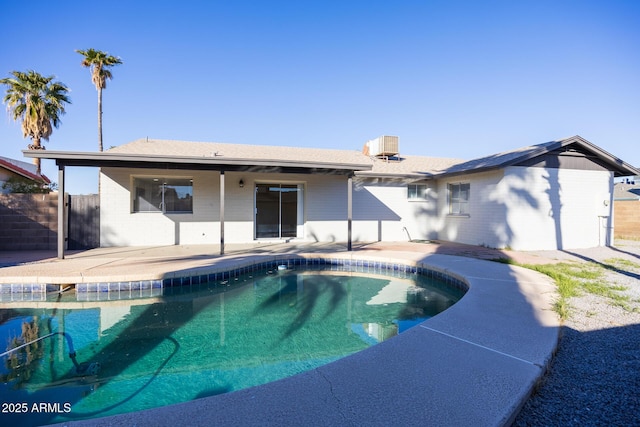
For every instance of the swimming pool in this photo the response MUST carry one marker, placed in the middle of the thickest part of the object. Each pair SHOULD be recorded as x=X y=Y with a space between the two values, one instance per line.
x=223 y=336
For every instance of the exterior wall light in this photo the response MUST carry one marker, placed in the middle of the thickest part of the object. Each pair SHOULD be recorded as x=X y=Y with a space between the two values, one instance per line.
x=241 y=183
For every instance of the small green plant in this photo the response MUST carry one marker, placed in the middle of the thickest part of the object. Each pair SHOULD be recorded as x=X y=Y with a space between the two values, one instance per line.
x=621 y=264
x=561 y=306
x=573 y=279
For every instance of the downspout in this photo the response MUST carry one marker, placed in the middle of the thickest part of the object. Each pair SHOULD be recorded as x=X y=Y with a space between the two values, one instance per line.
x=221 y=213
x=61 y=209
x=349 y=209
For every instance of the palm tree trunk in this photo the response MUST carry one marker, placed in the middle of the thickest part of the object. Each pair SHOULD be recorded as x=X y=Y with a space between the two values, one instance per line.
x=100 y=118
x=36 y=161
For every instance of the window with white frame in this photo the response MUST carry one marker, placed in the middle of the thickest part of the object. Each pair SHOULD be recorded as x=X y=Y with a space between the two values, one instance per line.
x=417 y=192
x=167 y=195
x=459 y=198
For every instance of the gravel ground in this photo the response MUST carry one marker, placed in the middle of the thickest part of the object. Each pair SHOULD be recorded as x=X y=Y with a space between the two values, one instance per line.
x=594 y=378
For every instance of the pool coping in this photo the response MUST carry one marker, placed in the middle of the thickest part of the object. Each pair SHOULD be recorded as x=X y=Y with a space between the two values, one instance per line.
x=474 y=364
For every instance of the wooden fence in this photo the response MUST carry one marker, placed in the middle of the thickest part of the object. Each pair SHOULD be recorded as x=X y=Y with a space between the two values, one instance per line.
x=84 y=222
x=626 y=219
x=30 y=222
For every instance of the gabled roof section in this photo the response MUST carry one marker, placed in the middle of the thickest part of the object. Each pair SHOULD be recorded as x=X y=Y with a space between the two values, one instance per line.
x=24 y=169
x=524 y=154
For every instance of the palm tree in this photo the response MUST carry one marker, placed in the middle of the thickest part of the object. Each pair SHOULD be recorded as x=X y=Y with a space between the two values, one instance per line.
x=39 y=102
x=99 y=63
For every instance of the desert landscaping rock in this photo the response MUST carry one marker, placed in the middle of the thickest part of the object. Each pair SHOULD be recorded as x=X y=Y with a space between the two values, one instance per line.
x=594 y=379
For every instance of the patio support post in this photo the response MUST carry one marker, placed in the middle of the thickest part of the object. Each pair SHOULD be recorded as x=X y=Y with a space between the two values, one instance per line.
x=221 y=213
x=349 y=210
x=61 y=211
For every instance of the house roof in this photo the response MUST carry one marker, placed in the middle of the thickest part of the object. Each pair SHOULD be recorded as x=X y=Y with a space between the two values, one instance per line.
x=520 y=155
x=416 y=167
x=223 y=156
x=169 y=154
x=23 y=169
x=624 y=191
x=243 y=152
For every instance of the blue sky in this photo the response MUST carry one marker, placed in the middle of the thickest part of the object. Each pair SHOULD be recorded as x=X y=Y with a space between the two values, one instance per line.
x=451 y=78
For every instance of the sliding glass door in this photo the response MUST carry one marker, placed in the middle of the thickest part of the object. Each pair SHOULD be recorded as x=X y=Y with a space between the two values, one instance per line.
x=276 y=210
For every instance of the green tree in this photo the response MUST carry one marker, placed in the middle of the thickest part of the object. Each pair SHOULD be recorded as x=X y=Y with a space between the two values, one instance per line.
x=24 y=185
x=99 y=63
x=39 y=102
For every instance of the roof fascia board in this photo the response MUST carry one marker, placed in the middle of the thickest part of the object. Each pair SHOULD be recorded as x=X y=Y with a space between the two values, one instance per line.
x=411 y=176
x=608 y=157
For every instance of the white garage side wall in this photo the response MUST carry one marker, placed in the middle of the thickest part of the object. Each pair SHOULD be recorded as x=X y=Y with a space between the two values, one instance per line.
x=382 y=212
x=529 y=208
x=569 y=208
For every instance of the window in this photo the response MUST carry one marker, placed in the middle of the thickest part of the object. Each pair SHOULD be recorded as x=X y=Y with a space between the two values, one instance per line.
x=417 y=192
x=168 y=195
x=459 y=198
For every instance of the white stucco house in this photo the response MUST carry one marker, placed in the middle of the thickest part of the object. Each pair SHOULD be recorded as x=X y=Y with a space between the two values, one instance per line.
x=553 y=195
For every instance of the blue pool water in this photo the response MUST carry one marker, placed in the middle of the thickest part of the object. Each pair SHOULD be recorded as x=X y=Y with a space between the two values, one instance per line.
x=138 y=354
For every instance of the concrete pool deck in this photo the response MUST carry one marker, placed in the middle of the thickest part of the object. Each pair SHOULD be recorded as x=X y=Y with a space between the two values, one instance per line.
x=474 y=364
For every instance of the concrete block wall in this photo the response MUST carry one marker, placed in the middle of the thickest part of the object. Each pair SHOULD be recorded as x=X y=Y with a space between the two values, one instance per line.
x=28 y=222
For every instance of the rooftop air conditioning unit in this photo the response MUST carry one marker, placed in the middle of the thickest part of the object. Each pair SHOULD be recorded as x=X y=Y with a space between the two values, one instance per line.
x=383 y=146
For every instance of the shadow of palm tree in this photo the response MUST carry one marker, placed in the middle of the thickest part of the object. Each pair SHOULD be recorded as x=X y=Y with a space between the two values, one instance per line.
x=617 y=249
x=605 y=265
x=305 y=299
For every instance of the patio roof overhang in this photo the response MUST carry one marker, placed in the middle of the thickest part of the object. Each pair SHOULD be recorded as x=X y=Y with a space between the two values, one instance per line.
x=214 y=163
x=407 y=176
x=221 y=164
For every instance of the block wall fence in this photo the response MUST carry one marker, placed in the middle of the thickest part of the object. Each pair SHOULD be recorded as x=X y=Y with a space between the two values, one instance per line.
x=28 y=222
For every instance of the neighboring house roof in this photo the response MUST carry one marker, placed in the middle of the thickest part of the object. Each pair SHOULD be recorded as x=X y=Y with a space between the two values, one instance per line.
x=624 y=191
x=223 y=156
x=24 y=169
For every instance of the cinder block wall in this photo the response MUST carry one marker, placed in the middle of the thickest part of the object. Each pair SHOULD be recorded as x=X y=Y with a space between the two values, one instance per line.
x=626 y=219
x=28 y=222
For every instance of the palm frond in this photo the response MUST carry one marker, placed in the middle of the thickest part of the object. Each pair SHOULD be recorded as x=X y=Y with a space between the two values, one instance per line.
x=37 y=101
x=99 y=62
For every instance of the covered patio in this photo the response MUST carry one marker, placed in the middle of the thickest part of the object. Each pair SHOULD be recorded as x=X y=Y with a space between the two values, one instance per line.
x=215 y=162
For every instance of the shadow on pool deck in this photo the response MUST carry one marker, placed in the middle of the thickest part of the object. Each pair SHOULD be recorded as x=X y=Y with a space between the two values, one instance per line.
x=474 y=364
